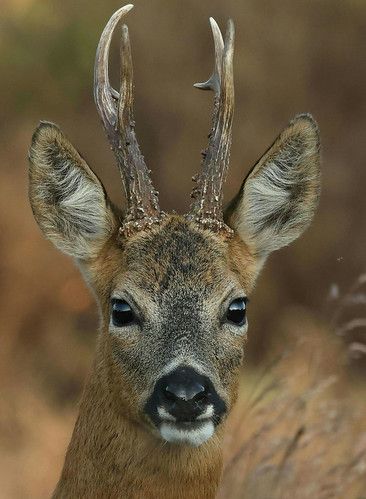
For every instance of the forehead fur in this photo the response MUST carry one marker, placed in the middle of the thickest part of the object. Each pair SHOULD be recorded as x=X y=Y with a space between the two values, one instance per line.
x=176 y=253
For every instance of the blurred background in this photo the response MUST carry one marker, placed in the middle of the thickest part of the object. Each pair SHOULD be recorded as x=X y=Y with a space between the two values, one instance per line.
x=291 y=57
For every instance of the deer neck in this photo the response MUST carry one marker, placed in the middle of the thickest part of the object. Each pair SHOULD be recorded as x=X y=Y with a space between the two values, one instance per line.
x=111 y=456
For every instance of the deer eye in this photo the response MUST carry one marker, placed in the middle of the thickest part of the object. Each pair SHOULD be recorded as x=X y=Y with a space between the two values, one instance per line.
x=122 y=313
x=236 y=312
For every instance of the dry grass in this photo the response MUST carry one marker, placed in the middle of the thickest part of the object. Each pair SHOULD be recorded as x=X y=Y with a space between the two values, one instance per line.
x=349 y=319
x=299 y=431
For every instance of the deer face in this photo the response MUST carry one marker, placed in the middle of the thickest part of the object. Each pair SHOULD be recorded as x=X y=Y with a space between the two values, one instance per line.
x=174 y=327
x=172 y=290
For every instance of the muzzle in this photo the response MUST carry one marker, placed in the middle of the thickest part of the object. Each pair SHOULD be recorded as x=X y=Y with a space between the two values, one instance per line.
x=185 y=406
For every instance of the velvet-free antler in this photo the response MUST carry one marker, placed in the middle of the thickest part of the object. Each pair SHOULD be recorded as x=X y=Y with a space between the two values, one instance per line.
x=207 y=206
x=116 y=111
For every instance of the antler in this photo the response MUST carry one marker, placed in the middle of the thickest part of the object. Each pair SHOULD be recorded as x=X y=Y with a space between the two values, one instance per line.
x=206 y=208
x=116 y=112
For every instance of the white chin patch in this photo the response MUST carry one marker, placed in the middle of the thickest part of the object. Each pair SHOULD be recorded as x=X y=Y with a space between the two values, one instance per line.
x=195 y=436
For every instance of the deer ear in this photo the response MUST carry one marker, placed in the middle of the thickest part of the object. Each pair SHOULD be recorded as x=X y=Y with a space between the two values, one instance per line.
x=68 y=200
x=277 y=200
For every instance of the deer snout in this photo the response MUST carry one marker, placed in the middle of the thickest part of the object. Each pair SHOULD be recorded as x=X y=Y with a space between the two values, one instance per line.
x=185 y=406
x=184 y=396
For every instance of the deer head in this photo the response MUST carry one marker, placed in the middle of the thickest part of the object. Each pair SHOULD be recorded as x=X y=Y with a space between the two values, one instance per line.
x=172 y=289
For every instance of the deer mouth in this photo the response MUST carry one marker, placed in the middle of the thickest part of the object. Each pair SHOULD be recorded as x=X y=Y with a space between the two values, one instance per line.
x=193 y=433
x=181 y=430
x=190 y=431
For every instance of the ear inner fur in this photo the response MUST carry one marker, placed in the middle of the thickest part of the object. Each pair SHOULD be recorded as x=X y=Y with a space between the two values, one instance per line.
x=278 y=199
x=68 y=200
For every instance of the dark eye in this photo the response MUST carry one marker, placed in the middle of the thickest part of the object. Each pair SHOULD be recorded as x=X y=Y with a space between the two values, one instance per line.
x=236 y=313
x=122 y=313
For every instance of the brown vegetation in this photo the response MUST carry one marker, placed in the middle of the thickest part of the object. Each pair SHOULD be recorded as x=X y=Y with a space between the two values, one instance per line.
x=300 y=432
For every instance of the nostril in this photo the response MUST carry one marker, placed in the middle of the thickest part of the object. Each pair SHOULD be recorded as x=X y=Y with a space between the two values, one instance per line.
x=170 y=394
x=188 y=392
x=201 y=395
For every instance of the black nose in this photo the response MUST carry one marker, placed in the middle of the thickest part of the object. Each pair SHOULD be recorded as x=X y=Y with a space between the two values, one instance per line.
x=184 y=394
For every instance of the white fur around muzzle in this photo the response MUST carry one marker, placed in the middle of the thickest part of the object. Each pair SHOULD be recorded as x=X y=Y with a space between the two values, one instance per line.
x=195 y=436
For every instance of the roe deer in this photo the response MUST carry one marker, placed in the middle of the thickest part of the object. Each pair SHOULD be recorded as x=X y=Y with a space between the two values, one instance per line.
x=171 y=289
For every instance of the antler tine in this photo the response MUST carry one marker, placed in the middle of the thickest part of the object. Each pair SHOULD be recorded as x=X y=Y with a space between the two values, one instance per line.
x=116 y=112
x=213 y=83
x=208 y=194
x=104 y=94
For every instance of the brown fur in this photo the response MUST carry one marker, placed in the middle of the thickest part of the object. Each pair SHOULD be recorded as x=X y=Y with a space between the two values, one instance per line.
x=111 y=456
